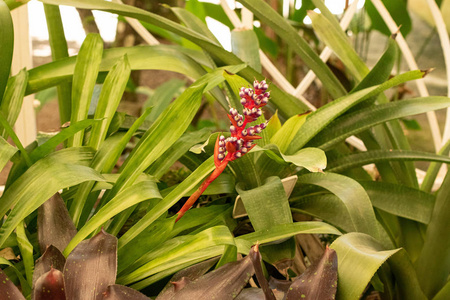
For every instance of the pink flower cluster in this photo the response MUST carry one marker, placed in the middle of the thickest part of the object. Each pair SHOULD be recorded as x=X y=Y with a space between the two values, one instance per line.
x=241 y=140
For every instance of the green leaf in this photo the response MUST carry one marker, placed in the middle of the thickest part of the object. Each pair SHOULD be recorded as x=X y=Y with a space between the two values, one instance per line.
x=399 y=12
x=433 y=170
x=164 y=132
x=282 y=27
x=50 y=145
x=273 y=126
x=286 y=103
x=219 y=235
x=280 y=232
x=284 y=136
x=434 y=261
x=359 y=257
x=162 y=96
x=135 y=194
x=364 y=158
x=84 y=78
x=26 y=251
x=130 y=256
x=313 y=159
x=400 y=200
x=6 y=152
x=383 y=68
x=159 y=209
x=160 y=57
x=58 y=44
x=26 y=193
x=353 y=195
x=194 y=22
x=6 y=47
x=335 y=38
x=244 y=43
x=13 y=99
x=319 y=119
x=109 y=99
x=363 y=119
x=187 y=140
x=266 y=205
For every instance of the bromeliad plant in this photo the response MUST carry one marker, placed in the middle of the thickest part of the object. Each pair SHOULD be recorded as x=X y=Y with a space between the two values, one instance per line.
x=241 y=140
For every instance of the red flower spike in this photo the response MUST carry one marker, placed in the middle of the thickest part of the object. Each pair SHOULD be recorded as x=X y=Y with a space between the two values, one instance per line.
x=240 y=141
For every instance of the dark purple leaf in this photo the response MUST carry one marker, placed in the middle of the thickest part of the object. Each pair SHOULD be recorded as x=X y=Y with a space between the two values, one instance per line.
x=55 y=227
x=256 y=259
x=189 y=274
x=318 y=282
x=279 y=285
x=120 y=292
x=91 y=267
x=7 y=289
x=50 y=286
x=52 y=257
x=223 y=283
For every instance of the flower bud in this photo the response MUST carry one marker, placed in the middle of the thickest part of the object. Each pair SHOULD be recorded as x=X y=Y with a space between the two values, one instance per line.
x=244 y=132
x=238 y=154
x=232 y=129
x=244 y=150
x=221 y=149
x=263 y=125
x=248 y=144
x=258 y=129
x=243 y=101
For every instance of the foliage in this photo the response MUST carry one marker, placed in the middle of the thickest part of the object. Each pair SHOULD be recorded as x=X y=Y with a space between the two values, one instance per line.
x=388 y=232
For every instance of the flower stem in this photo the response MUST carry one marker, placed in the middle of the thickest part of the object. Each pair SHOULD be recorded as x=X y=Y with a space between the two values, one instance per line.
x=219 y=169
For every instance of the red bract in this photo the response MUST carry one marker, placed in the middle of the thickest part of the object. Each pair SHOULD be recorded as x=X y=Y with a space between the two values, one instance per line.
x=241 y=140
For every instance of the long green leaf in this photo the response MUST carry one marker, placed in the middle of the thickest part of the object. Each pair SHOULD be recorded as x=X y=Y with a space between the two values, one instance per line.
x=363 y=119
x=400 y=200
x=335 y=38
x=365 y=158
x=6 y=47
x=13 y=99
x=433 y=170
x=219 y=235
x=58 y=44
x=189 y=183
x=244 y=43
x=266 y=205
x=84 y=78
x=104 y=161
x=161 y=57
x=26 y=288
x=6 y=152
x=279 y=232
x=434 y=260
x=109 y=100
x=129 y=197
x=359 y=257
x=354 y=197
x=326 y=114
x=26 y=252
x=281 y=26
x=33 y=188
x=286 y=103
x=164 y=132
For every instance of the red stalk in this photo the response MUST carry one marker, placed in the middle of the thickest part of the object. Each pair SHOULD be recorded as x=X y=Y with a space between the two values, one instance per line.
x=219 y=169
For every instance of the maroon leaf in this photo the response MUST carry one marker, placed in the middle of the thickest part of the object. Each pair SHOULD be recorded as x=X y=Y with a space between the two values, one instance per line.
x=52 y=257
x=120 y=292
x=256 y=259
x=91 y=267
x=318 y=282
x=279 y=285
x=7 y=289
x=225 y=282
x=55 y=227
x=50 y=286
x=189 y=274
